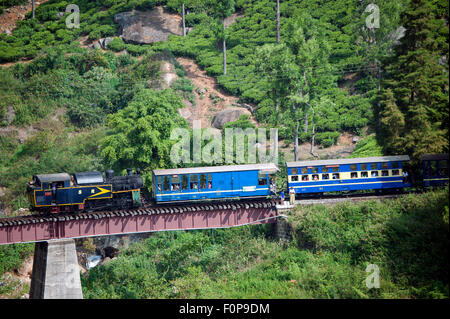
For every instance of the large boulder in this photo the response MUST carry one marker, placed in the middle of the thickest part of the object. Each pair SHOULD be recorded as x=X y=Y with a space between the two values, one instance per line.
x=228 y=115
x=147 y=26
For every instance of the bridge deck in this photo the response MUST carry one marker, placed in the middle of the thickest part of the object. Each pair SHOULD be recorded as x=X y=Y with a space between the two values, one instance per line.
x=148 y=219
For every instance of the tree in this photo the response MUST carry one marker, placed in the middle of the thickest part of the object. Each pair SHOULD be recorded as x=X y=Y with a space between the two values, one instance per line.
x=276 y=63
x=311 y=54
x=140 y=132
x=418 y=78
x=221 y=10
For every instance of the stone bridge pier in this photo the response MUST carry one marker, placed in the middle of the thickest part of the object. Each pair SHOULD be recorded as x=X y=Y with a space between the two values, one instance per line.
x=56 y=274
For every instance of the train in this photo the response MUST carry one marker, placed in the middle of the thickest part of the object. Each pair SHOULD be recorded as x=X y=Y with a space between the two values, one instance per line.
x=91 y=191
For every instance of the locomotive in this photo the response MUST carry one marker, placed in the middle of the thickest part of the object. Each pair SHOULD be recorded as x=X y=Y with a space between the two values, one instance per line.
x=85 y=191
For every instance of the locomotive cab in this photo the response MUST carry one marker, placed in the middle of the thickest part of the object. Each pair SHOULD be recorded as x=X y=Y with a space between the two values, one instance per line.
x=45 y=189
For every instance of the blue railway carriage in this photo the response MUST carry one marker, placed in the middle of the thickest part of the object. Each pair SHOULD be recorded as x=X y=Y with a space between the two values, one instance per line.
x=435 y=169
x=349 y=174
x=212 y=183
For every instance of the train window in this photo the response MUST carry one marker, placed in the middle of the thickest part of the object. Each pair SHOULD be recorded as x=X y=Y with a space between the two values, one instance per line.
x=335 y=169
x=364 y=167
x=354 y=175
x=262 y=179
x=315 y=177
x=294 y=171
x=324 y=169
x=159 y=183
x=294 y=178
x=93 y=191
x=325 y=176
x=384 y=173
x=79 y=192
x=353 y=167
x=315 y=170
x=166 y=183
x=384 y=165
x=374 y=166
x=184 y=182
x=209 y=181
x=395 y=164
x=305 y=178
x=433 y=168
x=175 y=183
x=443 y=163
x=203 y=181
x=395 y=172
x=304 y=170
x=374 y=173
x=364 y=174
x=194 y=181
x=335 y=176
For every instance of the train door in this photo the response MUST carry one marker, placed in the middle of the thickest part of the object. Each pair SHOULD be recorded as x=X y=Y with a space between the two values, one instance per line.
x=235 y=181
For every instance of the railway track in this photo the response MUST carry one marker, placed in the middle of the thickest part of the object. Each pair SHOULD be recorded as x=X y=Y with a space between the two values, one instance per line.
x=145 y=210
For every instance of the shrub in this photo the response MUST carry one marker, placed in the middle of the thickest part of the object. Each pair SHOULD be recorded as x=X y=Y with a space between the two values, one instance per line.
x=116 y=45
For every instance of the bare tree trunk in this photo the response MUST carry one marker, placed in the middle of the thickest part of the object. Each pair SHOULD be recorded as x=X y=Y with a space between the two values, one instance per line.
x=296 y=142
x=313 y=135
x=306 y=105
x=224 y=50
x=306 y=118
x=184 y=24
x=278 y=21
x=32 y=9
x=276 y=111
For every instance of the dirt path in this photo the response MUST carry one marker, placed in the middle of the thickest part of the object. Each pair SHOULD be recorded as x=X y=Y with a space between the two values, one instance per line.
x=10 y=16
x=208 y=98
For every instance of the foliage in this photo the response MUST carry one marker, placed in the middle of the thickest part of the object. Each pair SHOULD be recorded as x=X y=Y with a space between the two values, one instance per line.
x=12 y=256
x=116 y=45
x=414 y=101
x=367 y=147
x=140 y=133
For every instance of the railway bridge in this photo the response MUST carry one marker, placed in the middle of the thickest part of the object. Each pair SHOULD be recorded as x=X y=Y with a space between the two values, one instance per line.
x=55 y=267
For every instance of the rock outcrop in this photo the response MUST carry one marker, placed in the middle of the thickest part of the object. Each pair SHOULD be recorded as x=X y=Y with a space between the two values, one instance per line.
x=147 y=26
x=228 y=115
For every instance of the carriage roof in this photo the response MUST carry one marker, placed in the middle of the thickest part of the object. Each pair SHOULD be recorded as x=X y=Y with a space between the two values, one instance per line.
x=377 y=159
x=268 y=168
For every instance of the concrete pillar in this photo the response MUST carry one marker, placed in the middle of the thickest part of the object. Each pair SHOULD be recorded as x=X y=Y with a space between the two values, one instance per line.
x=56 y=274
x=281 y=230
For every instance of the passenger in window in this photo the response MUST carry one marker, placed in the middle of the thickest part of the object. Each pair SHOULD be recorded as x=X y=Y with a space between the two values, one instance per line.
x=374 y=174
x=384 y=173
x=336 y=176
x=364 y=174
x=305 y=178
x=159 y=187
x=405 y=177
x=209 y=185
x=315 y=177
x=195 y=186
x=353 y=175
x=325 y=176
